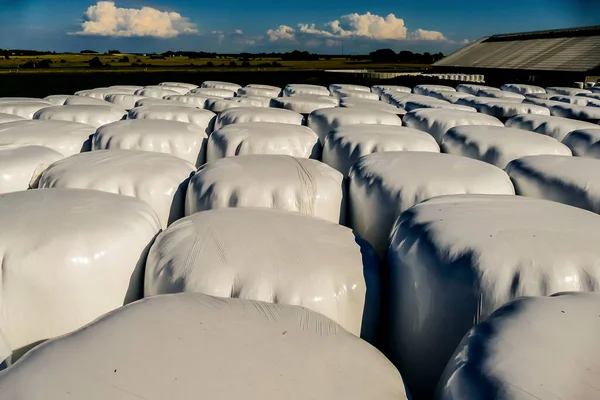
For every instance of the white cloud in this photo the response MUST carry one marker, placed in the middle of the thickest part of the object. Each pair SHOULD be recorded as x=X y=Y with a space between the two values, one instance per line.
x=283 y=32
x=106 y=19
x=370 y=26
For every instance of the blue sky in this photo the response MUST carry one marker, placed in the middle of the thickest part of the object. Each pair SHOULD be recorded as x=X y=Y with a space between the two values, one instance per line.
x=267 y=25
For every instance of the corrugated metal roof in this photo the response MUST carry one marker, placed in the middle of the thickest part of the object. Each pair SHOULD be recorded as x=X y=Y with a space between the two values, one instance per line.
x=578 y=50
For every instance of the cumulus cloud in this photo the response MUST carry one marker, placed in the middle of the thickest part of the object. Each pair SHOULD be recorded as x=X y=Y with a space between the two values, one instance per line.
x=282 y=32
x=106 y=19
x=369 y=26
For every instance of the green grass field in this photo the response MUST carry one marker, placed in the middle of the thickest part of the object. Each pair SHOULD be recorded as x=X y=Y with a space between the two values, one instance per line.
x=80 y=63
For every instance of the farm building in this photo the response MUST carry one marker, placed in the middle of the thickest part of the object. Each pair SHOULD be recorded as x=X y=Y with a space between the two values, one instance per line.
x=546 y=57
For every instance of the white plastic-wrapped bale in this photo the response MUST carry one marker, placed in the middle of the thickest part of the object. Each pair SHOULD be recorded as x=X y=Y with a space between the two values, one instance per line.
x=69 y=256
x=196 y=101
x=263 y=138
x=9 y=118
x=437 y=122
x=259 y=90
x=343 y=86
x=299 y=89
x=325 y=120
x=567 y=91
x=304 y=104
x=67 y=138
x=595 y=96
x=358 y=94
x=451 y=97
x=584 y=142
x=125 y=89
x=499 y=94
x=257 y=114
x=202 y=118
x=542 y=102
x=416 y=104
x=152 y=101
x=595 y=89
x=274 y=256
x=506 y=357
x=269 y=181
x=454 y=260
x=176 y=89
x=505 y=109
x=556 y=127
x=23 y=109
x=188 y=86
x=158 y=179
x=232 y=87
x=57 y=99
x=570 y=180
x=23 y=100
x=348 y=102
x=577 y=100
x=474 y=89
x=544 y=96
x=22 y=166
x=392 y=97
x=98 y=93
x=157 y=92
x=344 y=146
x=522 y=89
x=178 y=139
x=474 y=101
x=214 y=92
x=91 y=115
x=425 y=90
x=85 y=101
x=572 y=111
x=125 y=101
x=206 y=347
x=497 y=145
x=381 y=89
x=218 y=105
x=384 y=185
x=404 y=99
x=252 y=101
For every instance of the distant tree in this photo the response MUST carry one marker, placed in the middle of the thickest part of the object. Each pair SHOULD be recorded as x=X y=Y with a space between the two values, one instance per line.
x=210 y=64
x=37 y=65
x=7 y=57
x=63 y=61
x=232 y=64
x=124 y=59
x=95 y=62
x=88 y=52
x=245 y=64
x=114 y=52
x=383 y=55
x=138 y=60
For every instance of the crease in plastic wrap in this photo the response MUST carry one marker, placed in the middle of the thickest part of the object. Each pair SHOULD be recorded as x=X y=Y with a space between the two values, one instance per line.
x=195 y=116
x=23 y=165
x=325 y=120
x=257 y=114
x=86 y=114
x=556 y=127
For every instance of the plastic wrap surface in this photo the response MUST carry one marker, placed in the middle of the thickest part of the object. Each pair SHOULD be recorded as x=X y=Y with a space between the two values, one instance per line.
x=156 y=178
x=201 y=118
x=579 y=100
x=505 y=109
x=9 y=118
x=179 y=139
x=21 y=166
x=253 y=101
x=67 y=138
x=522 y=89
x=57 y=99
x=498 y=145
x=85 y=101
x=206 y=347
x=507 y=357
x=573 y=111
x=437 y=122
x=214 y=92
x=325 y=120
x=584 y=142
x=380 y=89
x=188 y=86
x=384 y=185
x=157 y=92
x=415 y=104
x=86 y=114
x=347 y=102
x=197 y=101
x=219 y=105
x=355 y=94
x=23 y=109
x=566 y=91
x=69 y=256
x=273 y=256
x=263 y=138
x=569 y=180
x=232 y=87
x=474 y=89
x=345 y=145
x=269 y=181
x=299 y=89
x=556 y=127
x=125 y=101
x=454 y=260
x=257 y=114
x=304 y=104
x=425 y=90
x=259 y=90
